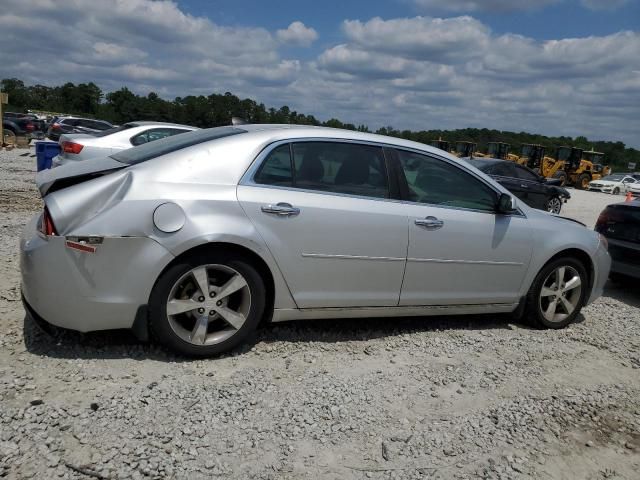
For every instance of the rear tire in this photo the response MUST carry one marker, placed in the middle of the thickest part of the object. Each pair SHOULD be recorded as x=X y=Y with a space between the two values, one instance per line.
x=9 y=137
x=553 y=305
x=205 y=325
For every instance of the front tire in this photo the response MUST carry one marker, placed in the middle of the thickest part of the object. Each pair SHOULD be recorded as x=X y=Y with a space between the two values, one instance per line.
x=583 y=181
x=557 y=294
x=562 y=176
x=207 y=304
x=554 y=205
x=616 y=191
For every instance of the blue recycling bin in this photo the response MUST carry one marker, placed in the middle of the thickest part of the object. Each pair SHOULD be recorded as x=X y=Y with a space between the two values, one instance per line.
x=45 y=151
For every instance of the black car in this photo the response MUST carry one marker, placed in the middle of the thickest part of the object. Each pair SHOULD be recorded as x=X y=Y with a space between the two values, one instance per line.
x=620 y=224
x=534 y=190
x=61 y=125
x=21 y=125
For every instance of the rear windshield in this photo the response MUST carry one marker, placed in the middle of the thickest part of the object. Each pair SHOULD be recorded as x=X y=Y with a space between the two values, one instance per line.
x=167 y=145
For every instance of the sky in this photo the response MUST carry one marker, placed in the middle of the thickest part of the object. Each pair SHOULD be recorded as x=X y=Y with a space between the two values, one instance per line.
x=555 y=67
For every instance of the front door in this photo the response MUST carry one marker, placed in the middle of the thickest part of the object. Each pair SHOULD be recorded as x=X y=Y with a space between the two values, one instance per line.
x=323 y=210
x=460 y=250
x=536 y=190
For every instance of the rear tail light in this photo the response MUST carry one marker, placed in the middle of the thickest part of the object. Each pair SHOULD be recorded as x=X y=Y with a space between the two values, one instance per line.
x=55 y=126
x=609 y=216
x=46 y=225
x=70 y=147
x=30 y=127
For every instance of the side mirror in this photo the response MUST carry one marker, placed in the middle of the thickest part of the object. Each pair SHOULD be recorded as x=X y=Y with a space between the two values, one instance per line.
x=506 y=203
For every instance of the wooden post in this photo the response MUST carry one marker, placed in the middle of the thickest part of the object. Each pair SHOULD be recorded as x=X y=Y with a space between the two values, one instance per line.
x=4 y=98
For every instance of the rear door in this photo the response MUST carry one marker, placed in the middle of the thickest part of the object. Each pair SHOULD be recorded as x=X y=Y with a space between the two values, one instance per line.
x=324 y=209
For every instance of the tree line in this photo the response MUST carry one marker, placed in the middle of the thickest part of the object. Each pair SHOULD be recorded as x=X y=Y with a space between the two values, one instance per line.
x=120 y=106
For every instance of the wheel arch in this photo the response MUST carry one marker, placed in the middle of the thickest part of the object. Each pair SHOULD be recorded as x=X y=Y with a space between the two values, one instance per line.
x=580 y=255
x=255 y=258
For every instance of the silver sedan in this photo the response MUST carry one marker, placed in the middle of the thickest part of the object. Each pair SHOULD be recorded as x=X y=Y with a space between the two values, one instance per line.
x=197 y=238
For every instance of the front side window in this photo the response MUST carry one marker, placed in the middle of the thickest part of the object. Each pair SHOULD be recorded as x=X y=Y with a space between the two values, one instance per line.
x=525 y=174
x=437 y=182
x=503 y=169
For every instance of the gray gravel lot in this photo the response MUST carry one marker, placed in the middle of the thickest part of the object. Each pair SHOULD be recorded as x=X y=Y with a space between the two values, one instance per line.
x=463 y=397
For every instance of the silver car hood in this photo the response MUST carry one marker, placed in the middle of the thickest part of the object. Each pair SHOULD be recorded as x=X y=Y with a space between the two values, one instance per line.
x=75 y=172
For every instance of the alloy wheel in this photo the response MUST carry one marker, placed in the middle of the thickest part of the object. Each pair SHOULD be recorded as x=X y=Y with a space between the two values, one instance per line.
x=560 y=294
x=554 y=205
x=208 y=304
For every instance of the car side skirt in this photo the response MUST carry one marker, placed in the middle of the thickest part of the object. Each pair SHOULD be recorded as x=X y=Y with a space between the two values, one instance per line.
x=285 y=314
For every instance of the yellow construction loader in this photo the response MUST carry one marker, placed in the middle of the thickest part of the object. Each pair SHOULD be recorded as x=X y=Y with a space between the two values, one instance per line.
x=465 y=149
x=499 y=150
x=441 y=144
x=572 y=166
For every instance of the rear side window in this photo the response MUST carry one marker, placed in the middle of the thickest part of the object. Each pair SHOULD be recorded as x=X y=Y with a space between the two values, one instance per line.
x=340 y=168
x=436 y=182
x=155 y=134
x=276 y=168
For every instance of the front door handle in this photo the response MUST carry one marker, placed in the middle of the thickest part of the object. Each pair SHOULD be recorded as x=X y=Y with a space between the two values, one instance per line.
x=281 y=209
x=430 y=223
x=524 y=186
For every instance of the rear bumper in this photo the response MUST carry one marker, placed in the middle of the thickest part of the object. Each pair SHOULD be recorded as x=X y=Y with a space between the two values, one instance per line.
x=601 y=267
x=88 y=291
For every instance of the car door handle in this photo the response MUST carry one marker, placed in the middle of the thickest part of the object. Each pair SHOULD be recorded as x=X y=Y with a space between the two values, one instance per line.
x=281 y=209
x=430 y=223
x=524 y=186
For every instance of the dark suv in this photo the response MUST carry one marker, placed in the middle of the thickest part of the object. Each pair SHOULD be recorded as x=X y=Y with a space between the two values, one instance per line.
x=61 y=125
x=620 y=223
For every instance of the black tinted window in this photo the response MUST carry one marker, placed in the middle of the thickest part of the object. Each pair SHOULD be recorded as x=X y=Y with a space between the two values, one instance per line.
x=171 y=144
x=526 y=174
x=276 y=168
x=437 y=182
x=503 y=169
x=340 y=168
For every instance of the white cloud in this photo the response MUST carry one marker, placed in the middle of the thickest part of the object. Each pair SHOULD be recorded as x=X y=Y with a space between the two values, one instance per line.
x=297 y=33
x=422 y=38
x=470 y=6
x=417 y=73
x=484 y=5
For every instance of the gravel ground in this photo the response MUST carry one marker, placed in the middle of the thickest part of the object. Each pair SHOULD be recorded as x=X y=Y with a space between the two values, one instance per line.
x=472 y=397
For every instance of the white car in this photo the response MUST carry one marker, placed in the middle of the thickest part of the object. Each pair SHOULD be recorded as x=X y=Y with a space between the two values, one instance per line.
x=77 y=147
x=634 y=188
x=615 y=184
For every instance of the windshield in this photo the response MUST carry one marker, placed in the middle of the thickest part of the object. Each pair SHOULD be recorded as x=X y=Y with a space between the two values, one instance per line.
x=613 y=178
x=167 y=145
